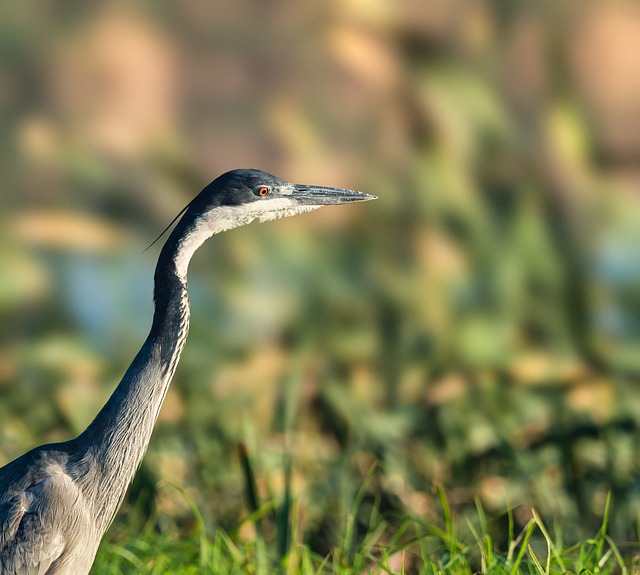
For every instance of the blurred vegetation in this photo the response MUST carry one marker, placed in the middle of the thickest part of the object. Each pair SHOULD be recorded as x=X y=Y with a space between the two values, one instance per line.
x=413 y=547
x=477 y=327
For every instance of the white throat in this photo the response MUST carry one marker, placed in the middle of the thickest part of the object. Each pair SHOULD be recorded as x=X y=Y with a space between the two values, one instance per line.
x=226 y=218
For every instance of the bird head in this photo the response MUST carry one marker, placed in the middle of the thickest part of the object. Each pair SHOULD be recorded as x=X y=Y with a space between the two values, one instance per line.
x=239 y=197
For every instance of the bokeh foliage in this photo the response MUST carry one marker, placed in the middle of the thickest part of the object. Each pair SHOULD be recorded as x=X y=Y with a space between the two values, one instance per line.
x=476 y=327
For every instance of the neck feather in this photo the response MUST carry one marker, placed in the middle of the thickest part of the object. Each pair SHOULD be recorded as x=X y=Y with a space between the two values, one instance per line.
x=113 y=445
x=117 y=439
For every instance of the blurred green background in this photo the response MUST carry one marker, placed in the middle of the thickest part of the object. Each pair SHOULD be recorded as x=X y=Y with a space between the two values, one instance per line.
x=477 y=327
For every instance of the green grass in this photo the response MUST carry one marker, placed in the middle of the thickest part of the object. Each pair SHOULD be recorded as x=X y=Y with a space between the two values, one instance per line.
x=411 y=547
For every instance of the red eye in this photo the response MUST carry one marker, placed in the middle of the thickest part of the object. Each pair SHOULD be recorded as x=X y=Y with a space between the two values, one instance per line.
x=261 y=191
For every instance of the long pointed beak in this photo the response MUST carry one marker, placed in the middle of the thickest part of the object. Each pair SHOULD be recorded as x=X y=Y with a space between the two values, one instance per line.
x=322 y=196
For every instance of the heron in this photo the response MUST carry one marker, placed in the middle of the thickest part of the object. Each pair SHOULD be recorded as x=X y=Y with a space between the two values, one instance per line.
x=57 y=500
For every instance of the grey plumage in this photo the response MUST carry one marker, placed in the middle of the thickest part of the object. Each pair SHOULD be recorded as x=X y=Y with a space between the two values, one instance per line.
x=57 y=500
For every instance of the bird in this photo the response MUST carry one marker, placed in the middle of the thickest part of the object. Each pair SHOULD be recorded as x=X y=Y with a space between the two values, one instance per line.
x=57 y=500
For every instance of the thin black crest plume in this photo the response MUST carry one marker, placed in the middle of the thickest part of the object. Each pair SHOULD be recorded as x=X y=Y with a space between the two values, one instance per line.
x=173 y=221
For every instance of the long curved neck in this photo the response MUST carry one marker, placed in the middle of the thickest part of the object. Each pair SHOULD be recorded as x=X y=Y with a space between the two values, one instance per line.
x=115 y=442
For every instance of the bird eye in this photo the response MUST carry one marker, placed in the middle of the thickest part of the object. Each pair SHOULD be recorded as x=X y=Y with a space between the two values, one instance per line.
x=261 y=191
